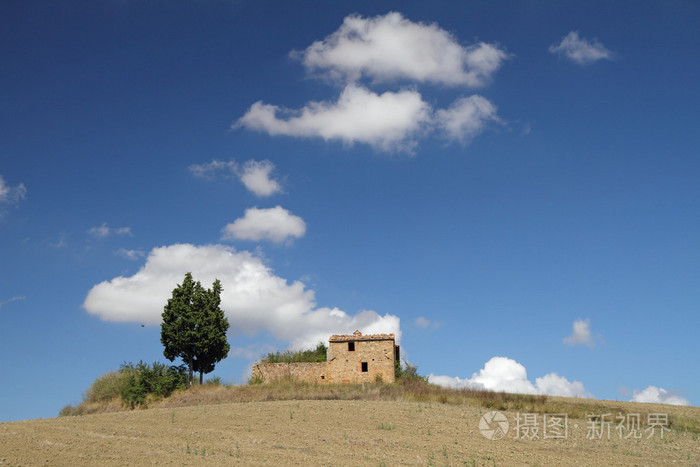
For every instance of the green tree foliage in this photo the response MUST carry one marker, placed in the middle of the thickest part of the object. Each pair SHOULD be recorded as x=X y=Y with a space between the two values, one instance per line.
x=194 y=326
x=408 y=373
x=142 y=379
x=311 y=355
x=133 y=384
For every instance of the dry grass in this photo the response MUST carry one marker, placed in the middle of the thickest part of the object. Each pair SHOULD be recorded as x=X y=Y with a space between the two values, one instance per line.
x=403 y=391
x=89 y=407
x=328 y=432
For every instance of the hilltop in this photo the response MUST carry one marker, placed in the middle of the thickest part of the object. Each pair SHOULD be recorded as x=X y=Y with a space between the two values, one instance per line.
x=408 y=423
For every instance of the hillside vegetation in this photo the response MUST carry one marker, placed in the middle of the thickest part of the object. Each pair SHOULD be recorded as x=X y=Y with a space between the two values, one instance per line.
x=155 y=419
x=209 y=431
x=317 y=354
x=106 y=395
x=129 y=387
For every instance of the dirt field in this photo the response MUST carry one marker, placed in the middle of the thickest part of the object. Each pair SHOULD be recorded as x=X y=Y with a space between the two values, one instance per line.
x=329 y=433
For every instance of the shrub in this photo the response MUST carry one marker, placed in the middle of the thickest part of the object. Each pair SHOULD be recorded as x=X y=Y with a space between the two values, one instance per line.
x=214 y=381
x=143 y=379
x=409 y=373
x=257 y=379
x=70 y=410
x=134 y=391
x=161 y=380
x=132 y=385
x=106 y=387
x=310 y=355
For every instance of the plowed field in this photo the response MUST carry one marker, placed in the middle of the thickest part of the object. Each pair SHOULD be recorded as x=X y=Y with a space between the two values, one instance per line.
x=332 y=433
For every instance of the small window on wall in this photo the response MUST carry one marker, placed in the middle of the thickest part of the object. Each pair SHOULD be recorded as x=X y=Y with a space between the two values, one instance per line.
x=364 y=367
x=351 y=346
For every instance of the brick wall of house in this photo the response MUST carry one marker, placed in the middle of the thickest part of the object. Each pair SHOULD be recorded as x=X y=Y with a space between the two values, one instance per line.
x=312 y=372
x=351 y=358
x=346 y=365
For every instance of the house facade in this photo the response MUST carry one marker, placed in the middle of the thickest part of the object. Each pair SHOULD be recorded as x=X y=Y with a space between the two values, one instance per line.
x=351 y=358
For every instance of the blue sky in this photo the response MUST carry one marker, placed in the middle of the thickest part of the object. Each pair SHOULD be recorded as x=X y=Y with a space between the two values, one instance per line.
x=510 y=187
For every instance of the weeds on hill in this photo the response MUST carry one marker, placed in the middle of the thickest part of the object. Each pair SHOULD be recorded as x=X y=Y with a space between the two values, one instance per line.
x=406 y=389
x=131 y=385
x=312 y=355
x=214 y=381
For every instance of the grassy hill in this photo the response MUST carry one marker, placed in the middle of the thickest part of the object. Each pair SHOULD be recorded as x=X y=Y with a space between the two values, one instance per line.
x=414 y=389
x=289 y=423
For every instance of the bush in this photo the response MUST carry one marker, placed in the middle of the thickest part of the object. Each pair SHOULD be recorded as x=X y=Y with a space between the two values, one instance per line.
x=133 y=392
x=70 y=410
x=132 y=384
x=409 y=373
x=161 y=380
x=214 y=381
x=106 y=387
x=253 y=380
x=143 y=379
x=311 y=355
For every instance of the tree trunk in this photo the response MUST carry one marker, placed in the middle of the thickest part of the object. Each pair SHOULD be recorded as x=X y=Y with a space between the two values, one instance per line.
x=191 y=373
x=201 y=377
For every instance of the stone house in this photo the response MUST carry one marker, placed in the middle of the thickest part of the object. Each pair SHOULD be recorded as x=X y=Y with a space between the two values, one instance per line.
x=351 y=358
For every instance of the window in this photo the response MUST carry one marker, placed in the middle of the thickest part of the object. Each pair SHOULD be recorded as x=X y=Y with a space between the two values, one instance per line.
x=351 y=346
x=364 y=367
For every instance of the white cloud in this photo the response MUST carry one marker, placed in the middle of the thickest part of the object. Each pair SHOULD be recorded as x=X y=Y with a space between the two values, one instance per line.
x=101 y=231
x=390 y=121
x=62 y=241
x=655 y=395
x=390 y=47
x=426 y=323
x=387 y=121
x=10 y=300
x=131 y=254
x=581 y=334
x=252 y=351
x=274 y=224
x=210 y=169
x=451 y=382
x=104 y=231
x=505 y=374
x=466 y=118
x=386 y=48
x=254 y=299
x=554 y=385
x=256 y=177
x=11 y=194
x=580 y=50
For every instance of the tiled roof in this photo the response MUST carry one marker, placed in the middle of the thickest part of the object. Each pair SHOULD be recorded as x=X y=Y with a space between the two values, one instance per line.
x=357 y=336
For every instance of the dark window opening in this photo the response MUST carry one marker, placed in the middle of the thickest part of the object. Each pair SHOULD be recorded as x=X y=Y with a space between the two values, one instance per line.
x=364 y=367
x=351 y=346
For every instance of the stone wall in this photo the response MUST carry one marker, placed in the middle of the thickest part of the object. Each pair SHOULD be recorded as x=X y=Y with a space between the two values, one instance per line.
x=352 y=358
x=346 y=365
x=312 y=372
